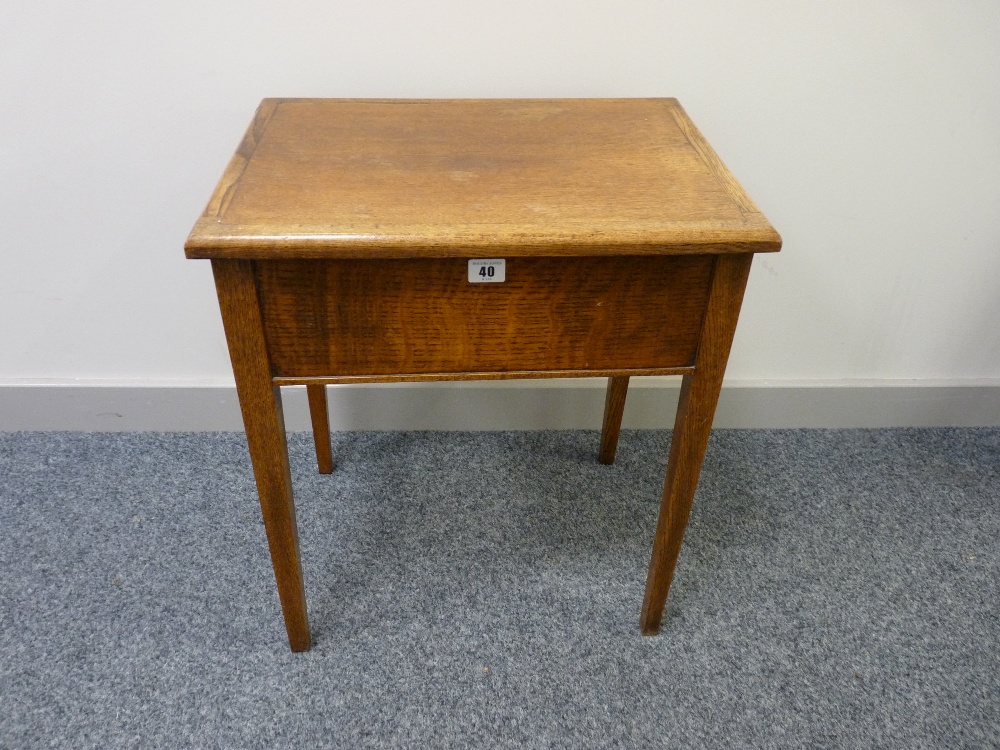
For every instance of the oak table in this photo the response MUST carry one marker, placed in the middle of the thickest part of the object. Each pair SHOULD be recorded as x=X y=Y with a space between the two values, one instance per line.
x=410 y=240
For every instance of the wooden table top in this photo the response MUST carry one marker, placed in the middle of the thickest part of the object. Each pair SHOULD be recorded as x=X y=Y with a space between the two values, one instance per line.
x=357 y=178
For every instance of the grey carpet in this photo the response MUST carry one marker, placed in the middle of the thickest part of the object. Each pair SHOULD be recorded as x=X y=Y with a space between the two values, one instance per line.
x=836 y=589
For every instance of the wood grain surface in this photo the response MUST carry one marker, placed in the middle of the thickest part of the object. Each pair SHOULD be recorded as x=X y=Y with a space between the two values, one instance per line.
x=403 y=178
x=383 y=317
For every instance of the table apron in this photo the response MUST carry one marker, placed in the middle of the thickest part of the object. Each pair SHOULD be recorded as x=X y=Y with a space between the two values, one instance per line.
x=414 y=317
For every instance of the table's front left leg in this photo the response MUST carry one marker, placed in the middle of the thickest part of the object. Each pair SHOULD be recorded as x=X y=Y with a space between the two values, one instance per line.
x=260 y=402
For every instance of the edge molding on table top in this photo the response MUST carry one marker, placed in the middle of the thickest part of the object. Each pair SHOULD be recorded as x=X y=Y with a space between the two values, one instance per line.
x=316 y=246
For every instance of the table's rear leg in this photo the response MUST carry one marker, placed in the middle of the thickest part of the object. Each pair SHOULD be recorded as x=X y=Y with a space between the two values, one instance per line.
x=319 y=413
x=260 y=402
x=614 y=407
x=695 y=411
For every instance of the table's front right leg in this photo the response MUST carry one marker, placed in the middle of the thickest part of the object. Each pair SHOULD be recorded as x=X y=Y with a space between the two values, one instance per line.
x=695 y=411
x=260 y=402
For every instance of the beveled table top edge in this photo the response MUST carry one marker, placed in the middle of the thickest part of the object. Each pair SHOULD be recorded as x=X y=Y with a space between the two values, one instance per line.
x=262 y=247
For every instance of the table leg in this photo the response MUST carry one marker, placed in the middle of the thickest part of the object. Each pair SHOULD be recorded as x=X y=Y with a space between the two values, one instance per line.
x=320 y=415
x=695 y=411
x=260 y=402
x=614 y=407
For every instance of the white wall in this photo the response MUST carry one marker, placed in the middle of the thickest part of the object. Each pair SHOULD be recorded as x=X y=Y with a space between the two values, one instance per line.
x=868 y=132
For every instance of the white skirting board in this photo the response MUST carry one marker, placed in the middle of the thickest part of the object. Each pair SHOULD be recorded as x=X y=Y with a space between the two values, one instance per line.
x=521 y=405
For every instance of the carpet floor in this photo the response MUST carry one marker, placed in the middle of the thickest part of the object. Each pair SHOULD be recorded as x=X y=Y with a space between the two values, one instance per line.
x=836 y=589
